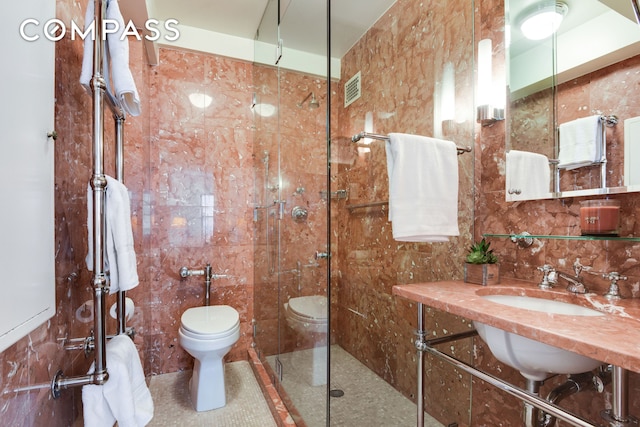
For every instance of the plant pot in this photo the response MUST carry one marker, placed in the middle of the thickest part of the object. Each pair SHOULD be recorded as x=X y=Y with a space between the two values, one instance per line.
x=482 y=274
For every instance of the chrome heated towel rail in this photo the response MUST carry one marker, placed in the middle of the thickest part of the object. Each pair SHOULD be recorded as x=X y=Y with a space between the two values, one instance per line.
x=97 y=342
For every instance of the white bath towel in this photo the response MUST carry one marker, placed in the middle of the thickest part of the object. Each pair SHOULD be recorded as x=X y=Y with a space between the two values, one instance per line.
x=121 y=256
x=528 y=176
x=580 y=142
x=116 y=60
x=125 y=397
x=423 y=188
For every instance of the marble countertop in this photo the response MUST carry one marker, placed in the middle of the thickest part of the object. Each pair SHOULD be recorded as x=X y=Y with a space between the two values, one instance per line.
x=613 y=338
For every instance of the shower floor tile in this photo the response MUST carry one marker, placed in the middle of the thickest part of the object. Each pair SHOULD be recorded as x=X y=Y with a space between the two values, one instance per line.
x=368 y=400
x=245 y=407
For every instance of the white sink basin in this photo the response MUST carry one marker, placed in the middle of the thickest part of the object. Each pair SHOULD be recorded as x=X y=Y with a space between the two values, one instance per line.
x=535 y=360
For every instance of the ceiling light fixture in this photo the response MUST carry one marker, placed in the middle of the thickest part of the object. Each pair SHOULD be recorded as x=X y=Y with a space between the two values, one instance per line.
x=542 y=19
x=200 y=100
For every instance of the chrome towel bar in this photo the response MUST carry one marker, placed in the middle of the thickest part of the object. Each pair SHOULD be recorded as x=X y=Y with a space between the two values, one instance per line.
x=358 y=137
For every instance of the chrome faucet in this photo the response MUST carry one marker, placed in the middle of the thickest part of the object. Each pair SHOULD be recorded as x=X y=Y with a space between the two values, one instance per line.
x=551 y=276
x=576 y=285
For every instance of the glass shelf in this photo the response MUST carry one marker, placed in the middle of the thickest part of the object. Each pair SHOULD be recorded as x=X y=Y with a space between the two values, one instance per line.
x=550 y=237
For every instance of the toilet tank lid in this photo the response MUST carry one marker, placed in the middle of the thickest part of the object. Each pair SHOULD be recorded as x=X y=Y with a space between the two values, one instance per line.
x=314 y=306
x=213 y=319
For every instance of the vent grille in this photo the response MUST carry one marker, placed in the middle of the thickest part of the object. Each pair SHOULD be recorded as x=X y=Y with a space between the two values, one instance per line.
x=352 y=89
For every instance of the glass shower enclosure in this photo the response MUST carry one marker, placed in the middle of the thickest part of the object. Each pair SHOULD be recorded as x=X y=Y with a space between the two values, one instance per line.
x=339 y=347
x=291 y=205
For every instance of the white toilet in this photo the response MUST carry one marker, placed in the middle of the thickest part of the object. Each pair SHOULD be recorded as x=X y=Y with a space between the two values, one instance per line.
x=208 y=333
x=308 y=316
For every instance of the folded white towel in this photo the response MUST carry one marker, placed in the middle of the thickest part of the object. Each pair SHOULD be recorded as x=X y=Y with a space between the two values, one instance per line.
x=116 y=60
x=121 y=257
x=528 y=173
x=580 y=142
x=125 y=397
x=423 y=188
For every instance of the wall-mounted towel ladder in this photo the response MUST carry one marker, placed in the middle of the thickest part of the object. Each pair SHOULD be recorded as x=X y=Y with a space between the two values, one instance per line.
x=96 y=343
x=607 y=122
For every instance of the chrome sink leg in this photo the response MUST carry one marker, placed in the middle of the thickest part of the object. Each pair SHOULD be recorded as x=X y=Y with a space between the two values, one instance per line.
x=618 y=415
x=421 y=345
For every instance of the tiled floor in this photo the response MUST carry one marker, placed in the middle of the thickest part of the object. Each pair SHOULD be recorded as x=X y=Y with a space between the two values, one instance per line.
x=245 y=407
x=368 y=400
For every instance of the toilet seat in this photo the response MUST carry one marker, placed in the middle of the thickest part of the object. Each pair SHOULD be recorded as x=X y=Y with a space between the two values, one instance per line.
x=210 y=322
x=304 y=319
x=312 y=309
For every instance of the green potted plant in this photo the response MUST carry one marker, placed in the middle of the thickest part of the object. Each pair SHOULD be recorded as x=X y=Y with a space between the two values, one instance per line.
x=481 y=265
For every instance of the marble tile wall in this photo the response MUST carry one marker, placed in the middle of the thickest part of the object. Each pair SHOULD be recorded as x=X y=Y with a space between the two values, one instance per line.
x=200 y=197
x=401 y=60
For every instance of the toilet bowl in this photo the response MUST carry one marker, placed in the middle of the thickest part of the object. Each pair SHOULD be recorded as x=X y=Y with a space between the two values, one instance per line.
x=308 y=316
x=208 y=333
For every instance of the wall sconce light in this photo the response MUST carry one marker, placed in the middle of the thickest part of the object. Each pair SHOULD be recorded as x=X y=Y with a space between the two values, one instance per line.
x=444 y=100
x=490 y=108
x=542 y=20
x=448 y=95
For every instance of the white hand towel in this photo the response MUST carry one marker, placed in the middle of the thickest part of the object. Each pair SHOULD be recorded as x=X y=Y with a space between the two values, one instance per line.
x=423 y=188
x=116 y=63
x=580 y=142
x=528 y=173
x=125 y=397
x=121 y=257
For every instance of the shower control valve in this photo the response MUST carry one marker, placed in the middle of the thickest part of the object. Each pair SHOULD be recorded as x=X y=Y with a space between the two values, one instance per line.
x=299 y=214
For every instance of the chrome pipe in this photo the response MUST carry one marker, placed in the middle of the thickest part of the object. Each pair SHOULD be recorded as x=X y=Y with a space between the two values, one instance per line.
x=620 y=385
x=575 y=383
x=451 y=338
x=514 y=391
x=121 y=301
x=99 y=183
x=119 y=152
x=61 y=382
x=618 y=415
x=121 y=315
x=208 y=274
x=114 y=105
x=531 y=413
x=603 y=159
x=420 y=345
x=207 y=284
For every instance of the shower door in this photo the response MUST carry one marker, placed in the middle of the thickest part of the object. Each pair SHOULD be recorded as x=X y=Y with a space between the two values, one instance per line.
x=291 y=205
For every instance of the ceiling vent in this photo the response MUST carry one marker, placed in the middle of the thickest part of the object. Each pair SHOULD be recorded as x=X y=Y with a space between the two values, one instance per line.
x=352 y=89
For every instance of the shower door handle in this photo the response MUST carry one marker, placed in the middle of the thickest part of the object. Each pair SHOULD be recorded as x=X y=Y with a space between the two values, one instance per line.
x=322 y=255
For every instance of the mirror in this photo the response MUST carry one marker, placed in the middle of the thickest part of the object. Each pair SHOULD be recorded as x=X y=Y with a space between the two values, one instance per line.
x=588 y=67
